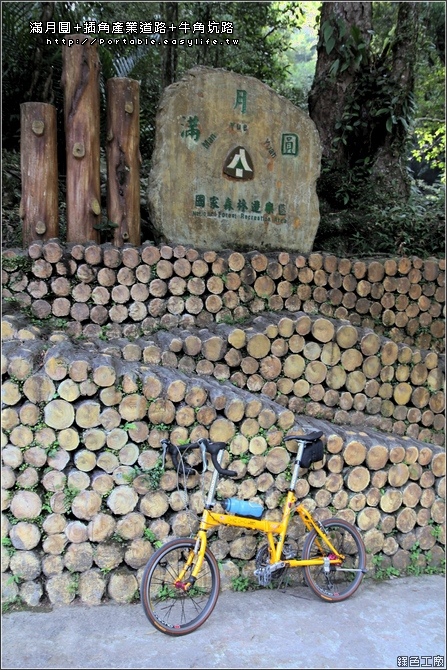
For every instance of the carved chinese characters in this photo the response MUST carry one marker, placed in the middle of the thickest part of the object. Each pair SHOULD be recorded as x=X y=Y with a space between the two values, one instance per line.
x=235 y=166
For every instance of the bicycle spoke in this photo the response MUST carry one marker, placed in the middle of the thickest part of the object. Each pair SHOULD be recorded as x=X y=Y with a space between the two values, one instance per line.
x=330 y=581
x=177 y=607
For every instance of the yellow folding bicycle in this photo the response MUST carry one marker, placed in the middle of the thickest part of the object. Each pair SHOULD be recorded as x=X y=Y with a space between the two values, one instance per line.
x=181 y=581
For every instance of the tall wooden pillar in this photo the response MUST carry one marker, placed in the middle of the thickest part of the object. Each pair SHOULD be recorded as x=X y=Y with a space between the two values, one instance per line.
x=123 y=159
x=38 y=159
x=80 y=80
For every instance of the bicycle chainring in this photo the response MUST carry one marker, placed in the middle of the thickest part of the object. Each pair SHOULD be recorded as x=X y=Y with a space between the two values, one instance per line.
x=262 y=561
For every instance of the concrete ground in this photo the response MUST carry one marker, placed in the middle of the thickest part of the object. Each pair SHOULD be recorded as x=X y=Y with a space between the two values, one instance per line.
x=261 y=629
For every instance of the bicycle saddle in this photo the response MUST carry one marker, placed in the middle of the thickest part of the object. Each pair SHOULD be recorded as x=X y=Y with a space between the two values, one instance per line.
x=311 y=437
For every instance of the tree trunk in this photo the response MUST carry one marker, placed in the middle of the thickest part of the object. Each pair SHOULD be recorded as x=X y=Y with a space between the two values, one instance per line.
x=361 y=124
x=170 y=53
x=389 y=166
x=327 y=98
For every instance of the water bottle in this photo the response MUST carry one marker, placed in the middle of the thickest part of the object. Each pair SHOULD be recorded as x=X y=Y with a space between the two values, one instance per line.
x=243 y=508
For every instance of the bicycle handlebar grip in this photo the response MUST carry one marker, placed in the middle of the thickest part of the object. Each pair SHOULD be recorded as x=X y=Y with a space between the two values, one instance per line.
x=222 y=471
x=213 y=449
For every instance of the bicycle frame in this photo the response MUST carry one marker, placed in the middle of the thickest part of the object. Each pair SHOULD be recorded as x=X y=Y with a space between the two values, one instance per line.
x=181 y=582
x=211 y=519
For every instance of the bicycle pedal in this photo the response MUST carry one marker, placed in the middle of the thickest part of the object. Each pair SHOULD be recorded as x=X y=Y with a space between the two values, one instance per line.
x=265 y=573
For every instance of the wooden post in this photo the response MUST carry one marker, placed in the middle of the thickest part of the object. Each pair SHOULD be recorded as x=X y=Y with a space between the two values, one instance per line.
x=38 y=157
x=80 y=80
x=123 y=159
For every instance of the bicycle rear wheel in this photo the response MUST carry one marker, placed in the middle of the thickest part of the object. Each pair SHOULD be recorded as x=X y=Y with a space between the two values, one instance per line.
x=170 y=605
x=340 y=582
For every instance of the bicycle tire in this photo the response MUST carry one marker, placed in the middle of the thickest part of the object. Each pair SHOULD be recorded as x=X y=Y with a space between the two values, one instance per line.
x=335 y=585
x=169 y=607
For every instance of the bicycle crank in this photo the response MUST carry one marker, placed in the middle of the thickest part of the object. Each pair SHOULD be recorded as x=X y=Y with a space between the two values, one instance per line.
x=265 y=574
x=266 y=571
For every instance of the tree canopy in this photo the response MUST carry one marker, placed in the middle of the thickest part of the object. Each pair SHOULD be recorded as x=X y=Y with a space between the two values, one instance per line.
x=365 y=100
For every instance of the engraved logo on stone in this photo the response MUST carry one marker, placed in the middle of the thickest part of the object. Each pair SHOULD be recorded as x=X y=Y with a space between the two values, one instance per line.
x=238 y=164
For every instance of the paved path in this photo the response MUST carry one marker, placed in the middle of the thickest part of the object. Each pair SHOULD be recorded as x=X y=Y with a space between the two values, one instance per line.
x=261 y=629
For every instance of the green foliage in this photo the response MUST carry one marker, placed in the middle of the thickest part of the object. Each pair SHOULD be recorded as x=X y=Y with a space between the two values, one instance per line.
x=50 y=322
x=52 y=449
x=302 y=57
x=381 y=572
x=348 y=43
x=166 y=592
x=151 y=477
x=367 y=201
x=429 y=122
x=436 y=529
x=240 y=583
x=388 y=226
x=107 y=229
x=13 y=263
x=150 y=535
x=129 y=425
x=70 y=494
x=419 y=565
x=128 y=477
x=7 y=544
x=373 y=109
x=11 y=604
x=161 y=426
x=46 y=503
x=103 y=335
x=416 y=567
x=73 y=586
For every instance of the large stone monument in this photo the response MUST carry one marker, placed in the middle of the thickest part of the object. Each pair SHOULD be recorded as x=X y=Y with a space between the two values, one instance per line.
x=234 y=166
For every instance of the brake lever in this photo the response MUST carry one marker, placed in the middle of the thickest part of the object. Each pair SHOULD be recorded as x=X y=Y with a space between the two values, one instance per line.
x=165 y=448
x=203 y=452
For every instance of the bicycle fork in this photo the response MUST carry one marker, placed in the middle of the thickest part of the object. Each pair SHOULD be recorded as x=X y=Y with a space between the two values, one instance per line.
x=196 y=556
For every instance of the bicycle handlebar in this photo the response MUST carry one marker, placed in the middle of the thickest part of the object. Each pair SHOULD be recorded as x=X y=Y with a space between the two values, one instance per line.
x=204 y=445
x=213 y=448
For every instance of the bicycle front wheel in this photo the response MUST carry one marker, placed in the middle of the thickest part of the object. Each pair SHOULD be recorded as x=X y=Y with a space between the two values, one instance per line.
x=339 y=581
x=174 y=606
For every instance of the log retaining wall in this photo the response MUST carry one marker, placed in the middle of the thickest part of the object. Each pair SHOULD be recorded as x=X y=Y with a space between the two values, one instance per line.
x=135 y=289
x=84 y=499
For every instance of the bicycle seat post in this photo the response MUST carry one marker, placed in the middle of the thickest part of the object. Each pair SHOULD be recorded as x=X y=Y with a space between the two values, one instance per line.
x=296 y=469
x=212 y=490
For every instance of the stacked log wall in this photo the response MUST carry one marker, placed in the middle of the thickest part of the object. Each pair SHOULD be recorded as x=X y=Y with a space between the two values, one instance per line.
x=209 y=314
x=105 y=351
x=134 y=289
x=84 y=500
